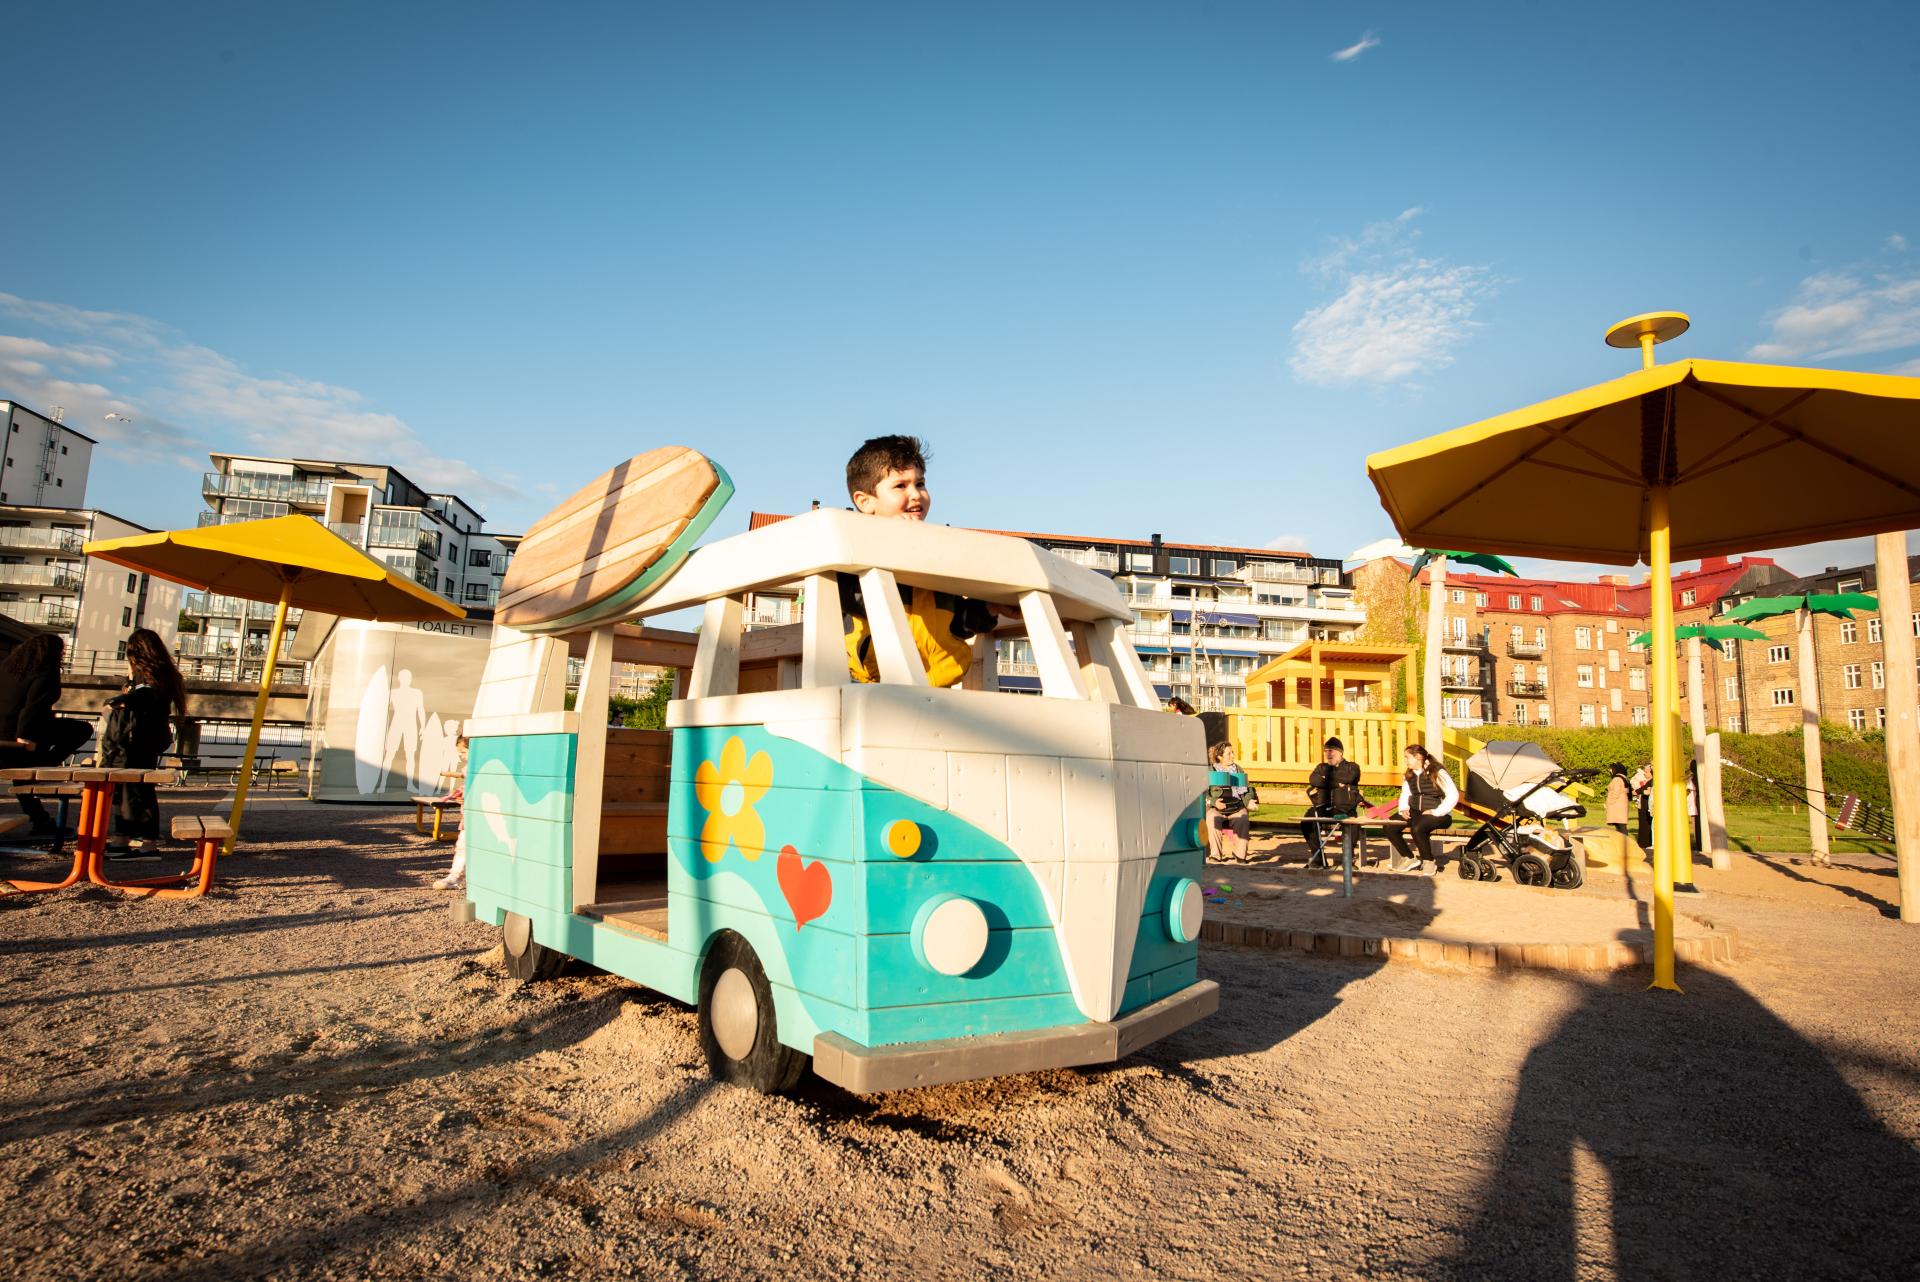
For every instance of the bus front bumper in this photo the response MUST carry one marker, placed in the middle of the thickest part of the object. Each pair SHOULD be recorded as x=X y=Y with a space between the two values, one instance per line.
x=867 y=1070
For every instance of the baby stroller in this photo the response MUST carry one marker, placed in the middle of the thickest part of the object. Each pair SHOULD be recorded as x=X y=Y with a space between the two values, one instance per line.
x=1513 y=786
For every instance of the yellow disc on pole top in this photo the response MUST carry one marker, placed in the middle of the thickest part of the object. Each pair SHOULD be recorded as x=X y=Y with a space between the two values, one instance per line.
x=1661 y=325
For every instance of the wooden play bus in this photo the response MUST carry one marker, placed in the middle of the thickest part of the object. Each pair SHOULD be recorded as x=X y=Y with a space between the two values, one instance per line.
x=897 y=884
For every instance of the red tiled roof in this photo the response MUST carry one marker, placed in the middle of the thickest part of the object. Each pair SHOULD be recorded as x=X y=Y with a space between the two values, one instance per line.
x=1709 y=581
x=760 y=520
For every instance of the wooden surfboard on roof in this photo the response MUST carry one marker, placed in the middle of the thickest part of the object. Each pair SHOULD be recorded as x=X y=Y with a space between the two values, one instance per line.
x=598 y=554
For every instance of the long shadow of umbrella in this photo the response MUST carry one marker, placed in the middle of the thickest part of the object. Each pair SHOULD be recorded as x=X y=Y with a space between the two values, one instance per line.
x=1695 y=1137
x=1885 y=908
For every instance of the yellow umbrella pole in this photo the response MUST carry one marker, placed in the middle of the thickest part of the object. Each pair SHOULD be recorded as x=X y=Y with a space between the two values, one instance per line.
x=1666 y=738
x=1682 y=853
x=259 y=716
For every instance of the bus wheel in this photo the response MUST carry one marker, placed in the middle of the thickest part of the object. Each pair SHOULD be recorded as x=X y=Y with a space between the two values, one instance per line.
x=527 y=961
x=737 y=1028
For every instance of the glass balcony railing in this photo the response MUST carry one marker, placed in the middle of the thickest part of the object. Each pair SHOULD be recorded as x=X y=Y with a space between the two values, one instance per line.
x=255 y=485
x=41 y=539
x=42 y=576
x=213 y=605
x=352 y=531
x=41 y=614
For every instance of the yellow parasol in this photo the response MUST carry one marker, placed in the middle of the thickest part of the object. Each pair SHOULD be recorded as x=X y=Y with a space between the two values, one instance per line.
x=1694 y=458
x=293 y=561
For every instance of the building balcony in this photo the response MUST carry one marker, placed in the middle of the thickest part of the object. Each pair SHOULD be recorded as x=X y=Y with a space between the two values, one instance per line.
x=253 y=485
x=54 y=615
x=213 y=605
x=286 y=672
x=1468 y=645
x=1526 y=650
x=57 y=577
x=352 y=531
x=1461 y=682
x=491 y=597
x=42 y=539
x=1527 y=689
x=1260 y=572
x=1008 y=668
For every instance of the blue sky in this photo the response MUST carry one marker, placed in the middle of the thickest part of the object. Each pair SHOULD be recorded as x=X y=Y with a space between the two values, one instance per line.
x=1129 y=268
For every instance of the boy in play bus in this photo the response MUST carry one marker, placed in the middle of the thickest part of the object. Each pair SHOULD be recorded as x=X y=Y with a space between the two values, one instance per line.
x=887 y=476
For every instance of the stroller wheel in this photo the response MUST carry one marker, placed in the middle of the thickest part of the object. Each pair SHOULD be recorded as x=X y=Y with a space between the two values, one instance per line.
x=1489 y=873
x=1470 y=869
x=1530 y=870
x=1569 y=875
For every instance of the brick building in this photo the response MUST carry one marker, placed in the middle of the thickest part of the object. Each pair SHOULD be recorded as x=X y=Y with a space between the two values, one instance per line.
x=1554 y=651
x=1755 y=685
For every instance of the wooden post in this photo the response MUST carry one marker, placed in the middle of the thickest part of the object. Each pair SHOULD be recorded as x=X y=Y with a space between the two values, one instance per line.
x=1810 y=737
x=1436 y=639
x=1903 y=722
x=1714 y=798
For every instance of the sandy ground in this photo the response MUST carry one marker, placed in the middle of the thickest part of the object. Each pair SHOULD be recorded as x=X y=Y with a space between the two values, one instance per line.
x=318 y=1075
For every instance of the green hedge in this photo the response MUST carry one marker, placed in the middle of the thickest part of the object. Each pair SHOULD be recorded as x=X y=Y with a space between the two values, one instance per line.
x=1851 y=761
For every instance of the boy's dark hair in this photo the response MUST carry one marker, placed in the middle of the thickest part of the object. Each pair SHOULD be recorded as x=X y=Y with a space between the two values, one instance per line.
x=883 y=454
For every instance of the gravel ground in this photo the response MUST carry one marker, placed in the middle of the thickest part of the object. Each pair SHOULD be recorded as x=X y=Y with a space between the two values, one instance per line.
x=317 y=1075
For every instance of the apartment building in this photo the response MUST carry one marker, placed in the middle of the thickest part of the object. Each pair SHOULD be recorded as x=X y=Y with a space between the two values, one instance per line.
x=1556 y=651
x=438 y=540
x=46 y=462
x=1204 y=615
x=1755 y=685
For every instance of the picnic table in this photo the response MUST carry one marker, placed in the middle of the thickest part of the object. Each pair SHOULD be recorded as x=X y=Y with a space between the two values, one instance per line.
x=90 y=833
x=1353 y=831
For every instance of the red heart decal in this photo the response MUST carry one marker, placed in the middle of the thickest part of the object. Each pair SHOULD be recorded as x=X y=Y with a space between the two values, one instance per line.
x=807 y=886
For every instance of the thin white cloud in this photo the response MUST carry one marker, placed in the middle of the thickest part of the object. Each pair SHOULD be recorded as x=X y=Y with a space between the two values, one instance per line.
x=1846 y=313
x=166 y=382
x=1397 y=314
x=1287 y=543
x=1358 y=47
x=1897 y=243
x=1381 y=547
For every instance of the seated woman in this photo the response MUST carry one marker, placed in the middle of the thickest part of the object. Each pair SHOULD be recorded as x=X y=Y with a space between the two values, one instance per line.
x=1228 y=814
x=30 y=735
x=1427 y=799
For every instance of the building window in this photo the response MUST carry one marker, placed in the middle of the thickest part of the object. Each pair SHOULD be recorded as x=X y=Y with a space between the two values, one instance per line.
x=120 y=649
x=1540 y=637
x=1639 y=715
x=476 y=592
x=446 y=587
x=1613 y=698
x=1856 y=718
x=1783 y=696
x=1224 y=566
x=1779 y=653
x=1689 y=597
x=1873 y=631
x=1849 y=632
x=1613 y=625
x=1733 y=689
x=1916 y=623
x=1480 y=599
x=1536 y=604
x=1183 y=565
x=1459 y=596
x=1636 y=678
x=1851 y=675
x=1519 y=714
x=1139 y=560
x=1583 y=638
x=1583 y=676
x=1545 y=716
x=1513 y=598
x=133 y=583
x=1880 y=718
x=1850 y=585
x=1586 y=714
x=1540 y=674
x=1879 y=676
x=126 y=616
x=1613 y=661
x=479 y=557
x=1459 y=628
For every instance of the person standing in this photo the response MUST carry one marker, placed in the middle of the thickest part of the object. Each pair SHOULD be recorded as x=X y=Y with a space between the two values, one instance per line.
x=1642 y=785
x=139 y=728
x=1333 y=792
x=30 y=733
x=1619 y=798
x=1427 y=798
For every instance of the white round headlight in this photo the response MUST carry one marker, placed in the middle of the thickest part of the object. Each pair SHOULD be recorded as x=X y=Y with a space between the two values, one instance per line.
x=950 y=934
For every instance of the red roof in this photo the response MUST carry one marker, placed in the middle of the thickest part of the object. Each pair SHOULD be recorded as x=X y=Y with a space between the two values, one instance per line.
x=1710 y=580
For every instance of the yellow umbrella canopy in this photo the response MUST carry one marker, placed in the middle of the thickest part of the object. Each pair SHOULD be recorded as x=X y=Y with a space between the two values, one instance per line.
x=293 y=561
x=292 y=555
x=1753 y=456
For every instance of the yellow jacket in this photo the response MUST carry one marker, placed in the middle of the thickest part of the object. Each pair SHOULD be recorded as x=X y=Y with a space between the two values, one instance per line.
x=942 y=625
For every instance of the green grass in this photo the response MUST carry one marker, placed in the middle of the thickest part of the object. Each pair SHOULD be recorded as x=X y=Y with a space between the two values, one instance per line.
x=1754 y=829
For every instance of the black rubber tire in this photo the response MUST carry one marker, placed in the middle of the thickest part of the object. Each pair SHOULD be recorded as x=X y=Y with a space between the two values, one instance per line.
x=1469 y=868
x=1569 y=876
x=769 y=1067
x=1530 y=870
x=1488 y=872
x=534 y=962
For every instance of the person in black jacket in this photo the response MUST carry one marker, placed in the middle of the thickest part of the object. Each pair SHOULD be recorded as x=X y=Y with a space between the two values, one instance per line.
x=30 y=735
x=1333 y=791
x=139 y=728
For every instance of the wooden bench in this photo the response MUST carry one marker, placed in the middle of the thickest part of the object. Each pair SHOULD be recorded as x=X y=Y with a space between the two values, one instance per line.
x=440 y=807
x=209 y=834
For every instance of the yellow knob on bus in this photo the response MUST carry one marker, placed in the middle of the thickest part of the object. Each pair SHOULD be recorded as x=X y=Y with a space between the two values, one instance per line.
x=903 y=838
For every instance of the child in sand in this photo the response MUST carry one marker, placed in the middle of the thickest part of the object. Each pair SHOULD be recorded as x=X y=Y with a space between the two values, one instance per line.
x=1228 y=794
x=887 y=476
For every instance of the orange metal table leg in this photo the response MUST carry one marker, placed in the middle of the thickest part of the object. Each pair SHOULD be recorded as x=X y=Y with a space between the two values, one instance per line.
x=79 y=860
x=97 y=846
x=200 y=877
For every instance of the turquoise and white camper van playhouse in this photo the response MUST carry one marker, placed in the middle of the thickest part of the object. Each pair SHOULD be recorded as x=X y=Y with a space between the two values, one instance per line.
x=903 y=885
